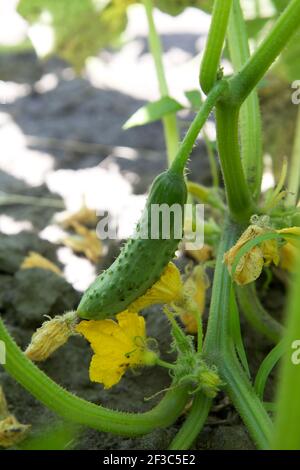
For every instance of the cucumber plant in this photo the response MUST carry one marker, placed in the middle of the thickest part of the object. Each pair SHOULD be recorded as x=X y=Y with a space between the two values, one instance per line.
x=220 y=356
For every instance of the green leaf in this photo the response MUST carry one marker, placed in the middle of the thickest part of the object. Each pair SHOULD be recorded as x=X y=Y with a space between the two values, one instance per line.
x=255 y=25
x=58 y=436
x=195 y=98
x=280 y=5
x=79 y=28
x=288 y=65
x=153 y=111
x=236 y=333
x=267 y=366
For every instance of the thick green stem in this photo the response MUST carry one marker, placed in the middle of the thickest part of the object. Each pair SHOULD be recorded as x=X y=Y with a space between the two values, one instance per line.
x=169 y=122
x=219 y=350
x=188 y=142
x=250 y=119
x=193 y=424
x=257 y=316
x=239 y=199
x=294 y=170
x=245 y=400
x=214 y=45
x=286 y=434
x=80 y=411
x=258 y=64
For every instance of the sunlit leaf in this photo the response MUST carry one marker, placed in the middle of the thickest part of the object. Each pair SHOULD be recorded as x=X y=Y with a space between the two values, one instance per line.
x=153 y=111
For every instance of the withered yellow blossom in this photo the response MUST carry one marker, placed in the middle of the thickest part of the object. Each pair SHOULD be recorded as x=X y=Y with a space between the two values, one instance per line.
x=288 y=251
x=270 y=252
x=86 y=241
x=84 y=216
x=203 y=254
x=194 y=294
x=11 y=431
x=288 y=254
x=291 y=231
x=251 y=264
x=168 y=289
x=50 y=336
x=116 y=345
x=35 y=260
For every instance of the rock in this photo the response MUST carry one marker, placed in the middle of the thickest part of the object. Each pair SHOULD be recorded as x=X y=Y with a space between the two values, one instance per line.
x=234 y=437
x=38 y=292
x=14 y=248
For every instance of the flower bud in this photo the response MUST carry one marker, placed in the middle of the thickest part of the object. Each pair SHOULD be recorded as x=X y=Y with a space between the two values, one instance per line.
x=51 y=336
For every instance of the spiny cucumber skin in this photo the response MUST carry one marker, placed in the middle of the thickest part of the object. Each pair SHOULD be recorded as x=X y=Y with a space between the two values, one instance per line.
x=140 y=262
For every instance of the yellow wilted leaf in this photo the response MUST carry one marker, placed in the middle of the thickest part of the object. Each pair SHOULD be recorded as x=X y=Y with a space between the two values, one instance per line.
x=35 y=260
x=11 y=431
x=83 y=216
x=86 y=241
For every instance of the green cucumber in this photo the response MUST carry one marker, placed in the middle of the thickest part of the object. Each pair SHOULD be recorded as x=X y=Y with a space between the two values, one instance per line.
x=141 y=260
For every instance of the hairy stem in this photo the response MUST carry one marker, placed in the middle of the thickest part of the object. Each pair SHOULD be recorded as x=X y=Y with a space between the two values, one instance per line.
x=193 y=424
x=219 y=350
x=75 y=409
x=188 y=142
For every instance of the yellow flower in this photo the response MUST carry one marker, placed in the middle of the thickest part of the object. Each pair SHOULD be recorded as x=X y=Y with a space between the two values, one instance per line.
x=288 y=251
x=117 y=346
x=193 y=304
x=51 y=336
x=85 y=242
x=288 y=254
x=167 y=289
x=251 y=264
x=11 y=431
x=35 y=260
x=291 y=231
